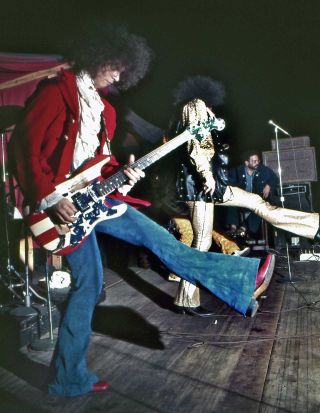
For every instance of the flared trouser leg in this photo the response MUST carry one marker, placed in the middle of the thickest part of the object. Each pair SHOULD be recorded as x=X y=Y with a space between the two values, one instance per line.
x=228 y=246
x=304 y=224
x=230 y=278
x=72 y=377
x=201 y=218
x=186 y=236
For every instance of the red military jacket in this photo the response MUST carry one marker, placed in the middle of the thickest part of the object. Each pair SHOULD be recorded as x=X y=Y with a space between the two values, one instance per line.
x=42 y=145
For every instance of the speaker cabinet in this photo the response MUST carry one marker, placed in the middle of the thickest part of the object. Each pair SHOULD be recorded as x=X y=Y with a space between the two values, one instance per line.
x=291 y=143
x=297 y=165
x=282 y=238
x=296 y=196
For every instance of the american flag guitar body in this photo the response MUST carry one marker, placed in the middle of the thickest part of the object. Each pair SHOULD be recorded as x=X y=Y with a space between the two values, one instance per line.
x=88 y=191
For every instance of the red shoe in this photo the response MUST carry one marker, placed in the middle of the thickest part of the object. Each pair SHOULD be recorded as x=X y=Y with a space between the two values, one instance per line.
x=264 y=275
x=100 y=386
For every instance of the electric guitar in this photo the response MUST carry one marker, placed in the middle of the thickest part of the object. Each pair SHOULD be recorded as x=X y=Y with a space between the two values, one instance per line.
x=88 y=191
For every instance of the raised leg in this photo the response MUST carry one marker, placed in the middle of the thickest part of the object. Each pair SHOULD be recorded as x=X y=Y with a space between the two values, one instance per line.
x=305 y=224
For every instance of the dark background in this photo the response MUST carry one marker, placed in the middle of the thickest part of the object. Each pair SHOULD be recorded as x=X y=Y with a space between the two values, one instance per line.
x=266 y=53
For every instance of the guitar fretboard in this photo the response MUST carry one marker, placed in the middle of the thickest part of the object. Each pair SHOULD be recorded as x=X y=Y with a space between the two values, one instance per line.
x=119 y=178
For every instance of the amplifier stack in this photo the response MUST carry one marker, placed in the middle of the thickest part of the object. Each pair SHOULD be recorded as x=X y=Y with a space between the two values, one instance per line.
x=298 y=170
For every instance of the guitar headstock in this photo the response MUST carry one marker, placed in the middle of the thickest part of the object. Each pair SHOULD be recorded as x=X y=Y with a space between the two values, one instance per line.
x=201 y=129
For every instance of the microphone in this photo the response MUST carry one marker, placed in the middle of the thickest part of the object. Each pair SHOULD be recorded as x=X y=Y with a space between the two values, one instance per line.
x=278 y=127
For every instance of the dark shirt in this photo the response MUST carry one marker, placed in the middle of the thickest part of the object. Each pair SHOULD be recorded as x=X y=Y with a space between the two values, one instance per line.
x=263 y=176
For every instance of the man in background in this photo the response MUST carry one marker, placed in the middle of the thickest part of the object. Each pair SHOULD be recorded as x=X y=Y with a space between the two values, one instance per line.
x=253 y=177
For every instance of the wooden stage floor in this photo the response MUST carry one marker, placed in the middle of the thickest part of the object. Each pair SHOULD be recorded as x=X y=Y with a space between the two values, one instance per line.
x=159 y=361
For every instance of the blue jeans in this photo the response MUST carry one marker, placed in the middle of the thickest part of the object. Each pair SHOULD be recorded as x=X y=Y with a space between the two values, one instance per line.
x=230 y=278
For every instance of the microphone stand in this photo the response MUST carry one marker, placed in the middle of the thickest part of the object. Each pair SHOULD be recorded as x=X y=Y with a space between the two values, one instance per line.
x=8 y=271
x=291 y=280
x=276 y=128
x=6 y=276
x=279 y=165
x=46 y=344
x=27 y=309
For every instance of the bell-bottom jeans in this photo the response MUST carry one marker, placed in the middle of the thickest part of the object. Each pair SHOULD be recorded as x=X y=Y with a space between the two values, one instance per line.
x=230 y=278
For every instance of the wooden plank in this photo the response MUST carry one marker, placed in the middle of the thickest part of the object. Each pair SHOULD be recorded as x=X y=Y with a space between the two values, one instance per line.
x=293 y=378
x=195 y=370
x=186 y=368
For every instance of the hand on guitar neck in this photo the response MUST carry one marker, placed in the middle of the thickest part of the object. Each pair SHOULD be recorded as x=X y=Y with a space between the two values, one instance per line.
x=134 y=175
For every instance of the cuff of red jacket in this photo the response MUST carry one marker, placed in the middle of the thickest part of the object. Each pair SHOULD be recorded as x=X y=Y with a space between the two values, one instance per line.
x=50 y=200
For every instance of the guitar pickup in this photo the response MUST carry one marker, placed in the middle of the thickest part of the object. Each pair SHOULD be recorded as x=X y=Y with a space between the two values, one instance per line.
x=81 y=201
x=94 y=192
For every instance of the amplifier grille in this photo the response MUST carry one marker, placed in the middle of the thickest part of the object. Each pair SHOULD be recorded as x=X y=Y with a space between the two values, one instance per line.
x=291 y=143
x=297 y=165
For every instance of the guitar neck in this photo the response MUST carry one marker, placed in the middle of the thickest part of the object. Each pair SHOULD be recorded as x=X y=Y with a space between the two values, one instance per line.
x=119 y=178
